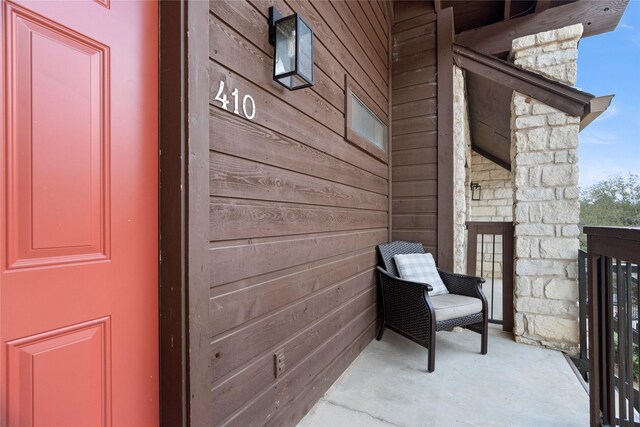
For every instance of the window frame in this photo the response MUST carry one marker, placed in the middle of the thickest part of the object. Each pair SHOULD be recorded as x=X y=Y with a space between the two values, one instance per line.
x=353 y=136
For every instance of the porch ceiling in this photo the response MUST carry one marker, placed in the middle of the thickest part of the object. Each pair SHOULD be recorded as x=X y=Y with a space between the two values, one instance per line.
x=472 y=14
x=489 y=118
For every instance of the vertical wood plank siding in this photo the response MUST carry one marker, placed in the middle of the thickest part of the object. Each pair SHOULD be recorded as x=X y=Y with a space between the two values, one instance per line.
x=414 y=152
x=295 y=211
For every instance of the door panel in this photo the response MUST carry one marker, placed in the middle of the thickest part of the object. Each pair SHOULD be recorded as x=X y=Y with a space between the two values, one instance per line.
x=79 y=357
x=78 y=205
x=58 y=213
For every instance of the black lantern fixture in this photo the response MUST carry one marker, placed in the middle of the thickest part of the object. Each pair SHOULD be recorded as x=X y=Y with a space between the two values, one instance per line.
x=292 y=39
x=476 y=191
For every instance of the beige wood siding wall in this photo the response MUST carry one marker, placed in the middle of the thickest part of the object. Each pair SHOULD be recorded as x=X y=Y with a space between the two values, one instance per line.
x=414 y=126
x=295 y=210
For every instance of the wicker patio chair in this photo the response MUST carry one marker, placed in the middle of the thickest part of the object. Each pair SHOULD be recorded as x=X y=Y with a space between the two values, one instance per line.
x=411 y=312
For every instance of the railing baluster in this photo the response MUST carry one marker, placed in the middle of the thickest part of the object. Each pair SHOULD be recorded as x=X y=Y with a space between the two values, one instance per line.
x=609 y=319
x=599 y=361
x=482 y=255
x=493 y=274
x=621 y=303
x=629 y=327
x=636 y=336
x=582 y=307
x=582 y=298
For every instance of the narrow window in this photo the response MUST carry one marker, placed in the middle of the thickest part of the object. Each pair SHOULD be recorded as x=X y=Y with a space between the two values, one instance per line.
x=363 y=127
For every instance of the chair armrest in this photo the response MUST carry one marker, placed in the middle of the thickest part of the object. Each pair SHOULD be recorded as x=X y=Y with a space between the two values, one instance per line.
x=400 y=281
x=406 y=306
x=461 y=284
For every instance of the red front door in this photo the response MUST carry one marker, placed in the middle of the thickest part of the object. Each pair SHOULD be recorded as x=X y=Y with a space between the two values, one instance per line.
x=78 y=196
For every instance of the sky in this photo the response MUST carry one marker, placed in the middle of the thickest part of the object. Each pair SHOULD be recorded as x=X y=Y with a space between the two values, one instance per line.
x=610 y=64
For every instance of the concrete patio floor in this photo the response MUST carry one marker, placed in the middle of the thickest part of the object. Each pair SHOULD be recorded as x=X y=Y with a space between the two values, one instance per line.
x=513 y=385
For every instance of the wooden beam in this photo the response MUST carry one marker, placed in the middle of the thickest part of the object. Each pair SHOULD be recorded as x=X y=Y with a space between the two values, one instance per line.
x=557 y=95
x=445 y=34
x=596 y=16
x=507 y=10
x=437 y=5
x=491 y=157
x=542 y=5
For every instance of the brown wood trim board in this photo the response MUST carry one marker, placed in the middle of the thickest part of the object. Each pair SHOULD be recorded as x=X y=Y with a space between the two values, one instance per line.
x=174 y=400
x=198 y=262
x=445 y=34
x=184 y=185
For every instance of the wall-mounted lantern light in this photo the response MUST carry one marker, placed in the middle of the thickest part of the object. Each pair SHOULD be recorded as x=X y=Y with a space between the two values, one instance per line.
x=293 y=56
x=476 y=191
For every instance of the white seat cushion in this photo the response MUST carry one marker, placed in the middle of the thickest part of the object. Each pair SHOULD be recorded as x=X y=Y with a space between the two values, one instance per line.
x=420 y=268
x=452 y=306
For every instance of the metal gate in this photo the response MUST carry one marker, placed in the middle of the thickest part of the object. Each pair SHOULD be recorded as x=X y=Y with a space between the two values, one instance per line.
x=490 y=255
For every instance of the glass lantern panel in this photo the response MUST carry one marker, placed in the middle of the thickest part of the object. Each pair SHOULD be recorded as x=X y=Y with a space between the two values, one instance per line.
x=293 y=82
x=305 y=50
x=285 y=51
x=285 y=81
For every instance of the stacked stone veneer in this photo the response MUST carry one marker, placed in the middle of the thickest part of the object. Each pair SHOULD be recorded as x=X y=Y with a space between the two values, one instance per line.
x=546 y=208
x=461 y=159
x=495 y=205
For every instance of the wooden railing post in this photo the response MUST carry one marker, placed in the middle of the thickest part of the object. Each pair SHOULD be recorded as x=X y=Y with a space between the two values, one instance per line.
x=582 y=306
x=594 y=340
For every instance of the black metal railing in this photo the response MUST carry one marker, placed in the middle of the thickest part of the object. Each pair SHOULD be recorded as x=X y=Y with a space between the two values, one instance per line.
x=490 y=255
x=612 y=313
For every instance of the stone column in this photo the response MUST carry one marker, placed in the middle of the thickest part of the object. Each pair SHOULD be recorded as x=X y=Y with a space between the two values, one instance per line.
x=544 y=143
x=461 y=160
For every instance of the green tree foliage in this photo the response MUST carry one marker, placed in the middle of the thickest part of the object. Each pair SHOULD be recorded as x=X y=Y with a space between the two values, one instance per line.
x=612 y=202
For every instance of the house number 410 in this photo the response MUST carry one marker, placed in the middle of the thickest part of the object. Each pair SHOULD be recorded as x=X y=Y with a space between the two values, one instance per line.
x=248 y=104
